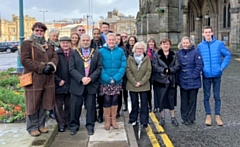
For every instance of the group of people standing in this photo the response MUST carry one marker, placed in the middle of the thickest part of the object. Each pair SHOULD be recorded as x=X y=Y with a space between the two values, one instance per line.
x=74 y=71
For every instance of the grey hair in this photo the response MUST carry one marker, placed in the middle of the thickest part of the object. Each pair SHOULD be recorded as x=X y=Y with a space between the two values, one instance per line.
x=185 y=37
x=111 y=34
x=54 y=30
x=143 y=44
x=84 y=35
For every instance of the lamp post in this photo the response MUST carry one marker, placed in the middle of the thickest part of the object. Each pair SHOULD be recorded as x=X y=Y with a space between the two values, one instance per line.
x=87 y=16
x=21 y=37
x=43 y=15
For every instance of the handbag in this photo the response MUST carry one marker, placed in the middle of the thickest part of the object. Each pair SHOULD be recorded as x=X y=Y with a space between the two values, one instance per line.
x=26 y=79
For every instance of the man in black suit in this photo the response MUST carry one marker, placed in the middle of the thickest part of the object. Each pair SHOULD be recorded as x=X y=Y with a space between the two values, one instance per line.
x=97 y=43
x=85 y=68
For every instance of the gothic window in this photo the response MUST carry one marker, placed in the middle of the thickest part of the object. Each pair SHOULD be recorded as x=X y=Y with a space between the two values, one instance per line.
x=229 y=16
x=226 y=17
x=192 y=20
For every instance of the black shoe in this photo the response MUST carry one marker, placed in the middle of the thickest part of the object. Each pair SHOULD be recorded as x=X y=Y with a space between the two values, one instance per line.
x=51 y=115
x=145 y=126
x=73 y=132
x=133 y=122
x=100 y=119
x=174 y=121
x=61 y=129
x=90 y=131
x=155 y=110
x=97 y=106
x=118 y=115
x=162 y=121
x=125 y=108
x=189 y=122
x=184 y=121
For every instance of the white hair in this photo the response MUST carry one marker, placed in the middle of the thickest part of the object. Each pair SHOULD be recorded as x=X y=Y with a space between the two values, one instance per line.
x=111 y=34
x=54 y=30
x=143 y=44
x=84 y=35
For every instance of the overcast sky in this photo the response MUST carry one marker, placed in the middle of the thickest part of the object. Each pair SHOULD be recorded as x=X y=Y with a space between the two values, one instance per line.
x=60 y=9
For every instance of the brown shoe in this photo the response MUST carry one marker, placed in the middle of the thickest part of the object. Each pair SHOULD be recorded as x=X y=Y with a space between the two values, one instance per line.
x=218 y=120
x=43 y=130
x=113 y=114
x=107 y=112
x=35 y=133
x=208 y=120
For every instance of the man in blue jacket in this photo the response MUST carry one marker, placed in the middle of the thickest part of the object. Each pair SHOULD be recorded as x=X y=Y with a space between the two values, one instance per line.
x=216 y=58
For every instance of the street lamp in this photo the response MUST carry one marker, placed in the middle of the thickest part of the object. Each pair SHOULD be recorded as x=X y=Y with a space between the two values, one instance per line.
x=43 y=15
x=21 y=37
x=87 y=16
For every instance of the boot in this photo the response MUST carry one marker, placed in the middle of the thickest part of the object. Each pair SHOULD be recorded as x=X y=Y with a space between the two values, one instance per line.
x=208 y=121
x=107 y=113
x=113 y=114
x=218 y=120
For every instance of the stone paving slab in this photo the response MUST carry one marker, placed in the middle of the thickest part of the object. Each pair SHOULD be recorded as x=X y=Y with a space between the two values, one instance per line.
x=109 y=135
x=14 y=135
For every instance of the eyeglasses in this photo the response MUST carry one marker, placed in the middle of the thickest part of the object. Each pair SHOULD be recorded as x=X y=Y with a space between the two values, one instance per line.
x=39 y=30
x=124 y=36
x=139 y=48
x=131 y=40
x=81 y=30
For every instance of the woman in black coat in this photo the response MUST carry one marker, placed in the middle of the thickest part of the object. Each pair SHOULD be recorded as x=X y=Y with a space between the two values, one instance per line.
x=165 y=66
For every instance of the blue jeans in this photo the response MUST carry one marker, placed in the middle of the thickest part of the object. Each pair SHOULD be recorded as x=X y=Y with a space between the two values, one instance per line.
x=216 y=82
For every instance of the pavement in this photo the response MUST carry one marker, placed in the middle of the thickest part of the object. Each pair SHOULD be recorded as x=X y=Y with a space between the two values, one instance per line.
x=15 y=134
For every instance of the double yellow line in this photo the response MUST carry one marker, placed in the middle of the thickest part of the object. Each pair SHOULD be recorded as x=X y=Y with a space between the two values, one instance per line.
x=160 y=129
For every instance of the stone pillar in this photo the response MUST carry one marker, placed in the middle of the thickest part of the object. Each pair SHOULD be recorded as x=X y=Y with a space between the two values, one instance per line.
x=235 y=30
x=198 y=31
x=185 y=25
x=153 y=26
x=139 y=29
x=213 y=23
x=144 y=28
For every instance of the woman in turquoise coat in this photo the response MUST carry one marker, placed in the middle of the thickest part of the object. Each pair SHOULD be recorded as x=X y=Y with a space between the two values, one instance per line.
x=113 y=69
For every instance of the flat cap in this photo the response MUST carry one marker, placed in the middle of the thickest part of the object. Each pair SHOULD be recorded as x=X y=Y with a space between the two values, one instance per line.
x=65 y=38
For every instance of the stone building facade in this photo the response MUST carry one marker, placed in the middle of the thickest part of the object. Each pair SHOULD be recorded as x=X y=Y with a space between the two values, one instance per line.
x=120 y=23
x=9 y=30
x=176 y=18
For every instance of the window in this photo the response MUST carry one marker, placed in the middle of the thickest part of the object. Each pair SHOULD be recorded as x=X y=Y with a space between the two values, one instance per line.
x=226 y=14
x=192 y=20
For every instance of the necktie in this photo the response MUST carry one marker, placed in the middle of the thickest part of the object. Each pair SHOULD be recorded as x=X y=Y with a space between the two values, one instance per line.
x=66 y=53
x=85 y=54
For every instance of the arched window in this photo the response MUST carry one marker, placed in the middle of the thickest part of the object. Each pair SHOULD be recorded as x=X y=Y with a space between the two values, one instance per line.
x=192 y=21
x=229 y=16
x=226 y=17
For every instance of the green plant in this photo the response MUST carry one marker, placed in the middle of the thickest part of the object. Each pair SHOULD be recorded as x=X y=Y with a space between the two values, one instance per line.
x=12 y=102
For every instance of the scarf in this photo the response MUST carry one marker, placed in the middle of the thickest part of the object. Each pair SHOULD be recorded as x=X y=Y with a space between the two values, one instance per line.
x=138 y=60
x=55 y=44
x=40 y=40
x=150 y=53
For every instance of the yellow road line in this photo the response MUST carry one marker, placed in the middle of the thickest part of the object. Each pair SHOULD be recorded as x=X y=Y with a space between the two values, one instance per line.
x=160 y=129
x=152 y=137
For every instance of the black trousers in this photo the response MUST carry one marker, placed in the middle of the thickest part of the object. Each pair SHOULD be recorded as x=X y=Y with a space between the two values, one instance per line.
x=100 y=104
x=62 y=109
x=150 y=98
x=76 y=102
x=124 y=95
x=188 y=104
x=144 y=116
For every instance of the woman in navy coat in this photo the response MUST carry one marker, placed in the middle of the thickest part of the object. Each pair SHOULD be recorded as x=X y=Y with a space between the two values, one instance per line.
x=189 y=79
